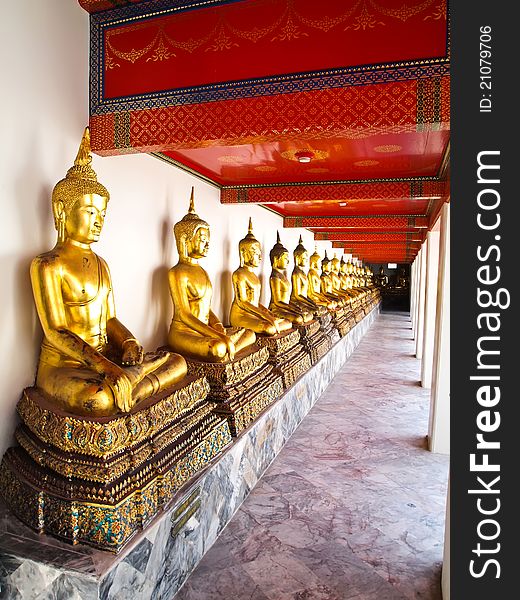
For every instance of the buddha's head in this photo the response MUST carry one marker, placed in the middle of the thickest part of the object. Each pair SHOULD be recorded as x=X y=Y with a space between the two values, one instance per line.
x=343 y=267
x=381 y=271
x=79 y=201
x=191 y=234
x=279 y=254
x=315 y=260
x=334 y=264
x=301 y=256
x=325 y=264
x=249 y=249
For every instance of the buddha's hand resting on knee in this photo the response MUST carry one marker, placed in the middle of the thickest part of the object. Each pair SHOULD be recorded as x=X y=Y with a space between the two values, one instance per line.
x=132 y=353
x=121 y=387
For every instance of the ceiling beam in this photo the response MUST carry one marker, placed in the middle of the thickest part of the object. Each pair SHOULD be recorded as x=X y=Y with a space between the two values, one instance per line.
x=389 y=223
x=419 y=188
x=380 y=236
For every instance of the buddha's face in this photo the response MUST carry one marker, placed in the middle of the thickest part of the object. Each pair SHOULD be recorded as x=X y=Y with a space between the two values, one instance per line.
x=334 y=266
x=302 y=259
x=198 y=246
x=326 y=266
x=315 y=262
x=85 y=219
x=344 y=267
x=282 y=260
x=252 y=255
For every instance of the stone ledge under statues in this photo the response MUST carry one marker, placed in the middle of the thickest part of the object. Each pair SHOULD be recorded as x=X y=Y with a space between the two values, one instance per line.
x=158 y=561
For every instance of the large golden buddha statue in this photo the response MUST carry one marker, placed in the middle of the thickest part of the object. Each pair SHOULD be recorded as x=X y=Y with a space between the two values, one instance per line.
x=314 y=278
x=195 y=331
x=280 y=285
x=108 y=434
x=300 y=281
x=246 y=310
x=90 y=363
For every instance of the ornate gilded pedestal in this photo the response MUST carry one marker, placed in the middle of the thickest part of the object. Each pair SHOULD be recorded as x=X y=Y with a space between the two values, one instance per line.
x=327 y=327
x=315 y=342
x=242 y=388
x=101 y=480
x=342 y=319
x=287 y=355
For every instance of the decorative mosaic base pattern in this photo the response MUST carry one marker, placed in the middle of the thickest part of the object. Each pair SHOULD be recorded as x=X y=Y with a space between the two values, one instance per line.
x=315 y=342
x=287 y=354
x=241 y=389
x=157 y=562
x=73 y=477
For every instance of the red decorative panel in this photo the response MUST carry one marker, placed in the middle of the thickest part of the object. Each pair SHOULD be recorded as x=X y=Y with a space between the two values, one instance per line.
x=352 y=113
x=337 y=191
x=368 y=207
x=340 y=237
x=359 y=246
x=379 y=223
x=173 y=48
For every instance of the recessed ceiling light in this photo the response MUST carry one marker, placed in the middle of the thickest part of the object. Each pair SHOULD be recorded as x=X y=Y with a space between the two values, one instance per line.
x=343 y=204
x=304 y=156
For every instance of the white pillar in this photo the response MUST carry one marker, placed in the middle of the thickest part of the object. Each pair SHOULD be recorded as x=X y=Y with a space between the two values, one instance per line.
x=416 y=292
x=412 y=289
x=420 y=305
x=430 y=305
x=439 y=426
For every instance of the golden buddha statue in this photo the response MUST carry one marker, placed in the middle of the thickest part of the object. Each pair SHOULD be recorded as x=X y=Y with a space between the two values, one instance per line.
x=402 y=278
x=381 y=278
x=90 y=364
x=346 y=280
x=300 y=281
x=195 y=331
x=313 y=276
x=327 y=283
x=246 y=310
x=337 y=284
x=280 y=285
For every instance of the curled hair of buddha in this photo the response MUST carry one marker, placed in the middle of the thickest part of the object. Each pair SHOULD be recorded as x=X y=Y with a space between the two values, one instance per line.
x=300 y=248
x=80 y=180
x=278 y=249
x=187 y=227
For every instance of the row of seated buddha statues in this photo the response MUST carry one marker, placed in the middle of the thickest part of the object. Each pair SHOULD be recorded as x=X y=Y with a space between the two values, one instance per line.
x=109 y=433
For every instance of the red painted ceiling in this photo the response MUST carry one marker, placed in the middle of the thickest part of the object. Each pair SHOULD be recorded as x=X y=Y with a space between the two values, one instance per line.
x=232 y=89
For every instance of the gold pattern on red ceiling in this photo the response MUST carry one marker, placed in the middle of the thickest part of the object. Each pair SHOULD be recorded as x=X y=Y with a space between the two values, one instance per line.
x=346 y=114
x=231 y=91
x=356 y=237
x=265 y=38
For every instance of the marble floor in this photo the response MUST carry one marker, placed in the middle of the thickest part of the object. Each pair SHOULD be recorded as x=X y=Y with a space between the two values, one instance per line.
x=353 y=506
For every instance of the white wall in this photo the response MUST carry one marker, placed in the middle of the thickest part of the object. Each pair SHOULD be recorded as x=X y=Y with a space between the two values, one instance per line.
x=43 y=111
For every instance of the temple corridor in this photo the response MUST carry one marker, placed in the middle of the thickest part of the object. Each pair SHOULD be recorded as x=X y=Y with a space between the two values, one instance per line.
x=354 y=504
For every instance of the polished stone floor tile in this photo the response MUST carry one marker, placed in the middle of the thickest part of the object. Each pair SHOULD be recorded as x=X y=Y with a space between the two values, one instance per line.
x=353 y=506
